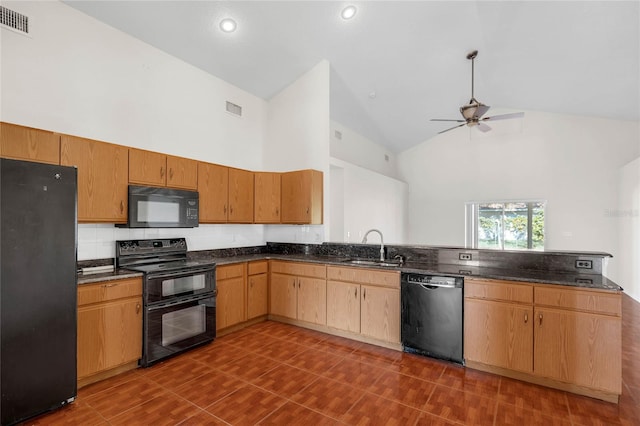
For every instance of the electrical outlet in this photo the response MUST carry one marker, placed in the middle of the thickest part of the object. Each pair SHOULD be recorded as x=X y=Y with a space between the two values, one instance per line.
x=464 y=256
x=584 y=264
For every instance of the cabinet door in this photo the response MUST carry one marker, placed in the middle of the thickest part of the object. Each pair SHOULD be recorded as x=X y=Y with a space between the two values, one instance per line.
x=213 y=187
x=343 y=306
x=499 y=334
x=284 y=295
x=230 y=302
x=182 y=173
x=380 y=313
x=579 y=348
x=102 y=178
x=240 y=196
x=25 y=143
x=267 y=197
x=147 y=167
x=257 y=296
x=302 y=197
x=109 y=335
x=312 y=300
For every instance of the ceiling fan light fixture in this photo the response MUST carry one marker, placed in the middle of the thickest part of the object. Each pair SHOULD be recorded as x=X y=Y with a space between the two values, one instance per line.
x=228 y=25
x=348 y=12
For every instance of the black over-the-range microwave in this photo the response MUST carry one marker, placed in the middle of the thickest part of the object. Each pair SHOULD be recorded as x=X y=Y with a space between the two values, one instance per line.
x=151 y=207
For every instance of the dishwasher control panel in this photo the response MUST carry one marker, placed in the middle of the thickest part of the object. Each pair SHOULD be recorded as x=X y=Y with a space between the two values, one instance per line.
x=437 y=280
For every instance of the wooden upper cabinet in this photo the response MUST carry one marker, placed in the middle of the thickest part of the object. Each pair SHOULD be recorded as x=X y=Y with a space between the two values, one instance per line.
x=240 y=196
x=157 y=169
x=102 y=178
x=182 y=173
x=213 y=187
x=302 y=197
x=267 y=197
x=25 y=143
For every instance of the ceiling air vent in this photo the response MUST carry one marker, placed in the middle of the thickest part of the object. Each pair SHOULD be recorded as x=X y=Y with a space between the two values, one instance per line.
x=234 y=109
x=14 y=21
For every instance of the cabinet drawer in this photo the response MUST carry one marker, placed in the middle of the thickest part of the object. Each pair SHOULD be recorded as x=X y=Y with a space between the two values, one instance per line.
x=364 y=276
x=580 y=300
x=109 y=290
x=230 y=271
x=299 y=269
x=505 y=291
x=259 y=267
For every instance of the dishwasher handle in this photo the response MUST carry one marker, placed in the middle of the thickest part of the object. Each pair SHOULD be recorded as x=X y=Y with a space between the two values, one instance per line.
x=435 y=286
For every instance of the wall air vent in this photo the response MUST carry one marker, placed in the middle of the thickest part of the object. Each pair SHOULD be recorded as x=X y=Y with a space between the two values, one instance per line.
x=337 y=134
x=13 y=20
x=234 y=109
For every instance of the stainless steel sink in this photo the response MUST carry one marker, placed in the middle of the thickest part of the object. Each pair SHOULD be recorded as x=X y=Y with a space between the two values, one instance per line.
x=371 y=262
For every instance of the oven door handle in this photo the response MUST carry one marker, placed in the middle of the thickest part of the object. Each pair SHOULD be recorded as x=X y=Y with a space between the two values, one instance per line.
x=181 y=301
x=179 y=274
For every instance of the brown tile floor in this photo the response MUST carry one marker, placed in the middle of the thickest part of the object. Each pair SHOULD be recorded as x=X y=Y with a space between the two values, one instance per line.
x=277 y=374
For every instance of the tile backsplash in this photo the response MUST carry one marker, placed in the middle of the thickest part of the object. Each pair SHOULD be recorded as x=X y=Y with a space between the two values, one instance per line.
x=97 y=241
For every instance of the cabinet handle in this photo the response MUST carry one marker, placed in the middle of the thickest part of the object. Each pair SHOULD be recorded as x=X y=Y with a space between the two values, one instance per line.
x=540 y=318
x=171 y=173
x=364 y=294
x=225 y=209
x=355 y=293
x=109 y=285
x=121 y=206
x=138 y=308
x=162 y=172
x=251 y=283
x=298 y=283
x=307 y=210
x=526 y=318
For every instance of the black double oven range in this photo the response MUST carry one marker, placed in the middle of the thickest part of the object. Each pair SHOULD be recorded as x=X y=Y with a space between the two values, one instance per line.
x=179 y=296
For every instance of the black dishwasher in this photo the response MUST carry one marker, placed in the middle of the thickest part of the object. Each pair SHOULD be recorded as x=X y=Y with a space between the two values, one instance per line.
x=432 y=315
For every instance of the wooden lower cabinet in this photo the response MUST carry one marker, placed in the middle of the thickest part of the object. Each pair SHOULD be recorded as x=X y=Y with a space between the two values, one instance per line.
x=230 y=302
x=564 y=337
x=499 y=334
x=109 y=326
x=343 y=306
x=257 y=289
x=579 y=348
x=299 y=291
x=365 y=302
x=380 y=313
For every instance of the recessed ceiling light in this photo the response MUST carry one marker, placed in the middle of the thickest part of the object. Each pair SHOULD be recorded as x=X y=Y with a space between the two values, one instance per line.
x=228 y=25
x=348 y=12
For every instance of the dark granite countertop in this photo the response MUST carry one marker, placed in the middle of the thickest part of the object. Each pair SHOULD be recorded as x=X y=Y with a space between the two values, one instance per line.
x=542 y=277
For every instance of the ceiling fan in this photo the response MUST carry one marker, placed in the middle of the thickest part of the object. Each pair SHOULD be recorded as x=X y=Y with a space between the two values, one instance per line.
x=474 y=110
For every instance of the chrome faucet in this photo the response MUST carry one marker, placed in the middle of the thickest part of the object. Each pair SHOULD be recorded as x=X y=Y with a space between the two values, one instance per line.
x=364 y=241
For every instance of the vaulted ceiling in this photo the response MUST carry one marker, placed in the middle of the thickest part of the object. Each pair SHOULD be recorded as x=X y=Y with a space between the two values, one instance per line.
x=397 y=64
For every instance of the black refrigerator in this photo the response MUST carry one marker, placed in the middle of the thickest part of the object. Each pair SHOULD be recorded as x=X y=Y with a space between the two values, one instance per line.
x=38 y=288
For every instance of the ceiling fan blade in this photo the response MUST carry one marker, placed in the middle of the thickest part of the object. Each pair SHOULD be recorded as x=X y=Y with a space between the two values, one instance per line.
x=482 y=110
x=505 y=116
x=446 y=119
x=483 y=127
x=454 y=127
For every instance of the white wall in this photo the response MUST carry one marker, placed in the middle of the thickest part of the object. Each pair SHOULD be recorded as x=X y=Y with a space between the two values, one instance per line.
x=298 y=138
x=369 y=200
x=628 y=218
x=572 y=162
x=357 y=149
x=78 y=76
